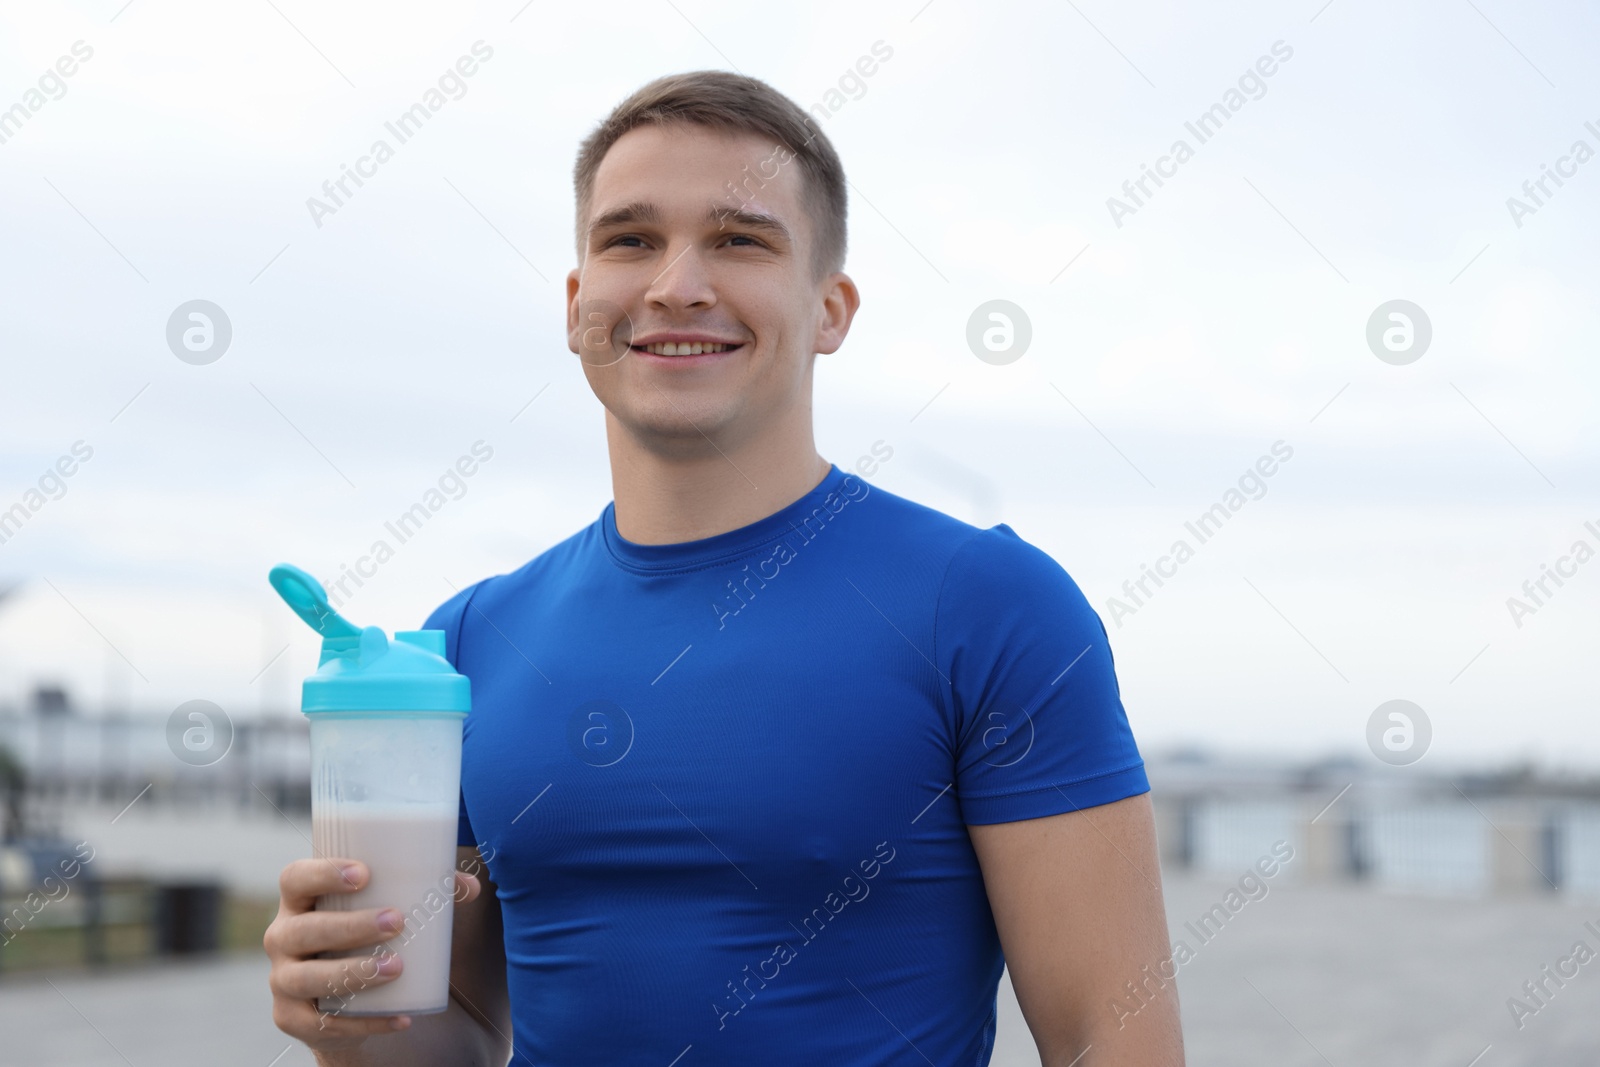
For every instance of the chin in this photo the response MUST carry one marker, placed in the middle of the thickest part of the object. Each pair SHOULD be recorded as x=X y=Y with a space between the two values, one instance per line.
x=681 y=418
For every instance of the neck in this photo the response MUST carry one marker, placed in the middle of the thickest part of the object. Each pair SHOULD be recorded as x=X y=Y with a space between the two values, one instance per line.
x=700 y=489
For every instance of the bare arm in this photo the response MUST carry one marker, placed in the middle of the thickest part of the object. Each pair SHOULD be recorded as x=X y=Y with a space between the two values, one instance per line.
x=477 y=1025
x=1077 y=902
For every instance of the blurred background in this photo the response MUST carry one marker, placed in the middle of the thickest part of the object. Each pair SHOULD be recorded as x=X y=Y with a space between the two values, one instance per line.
x=1306 y=289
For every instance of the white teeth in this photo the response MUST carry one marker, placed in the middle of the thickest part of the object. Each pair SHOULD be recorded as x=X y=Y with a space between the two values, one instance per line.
x=667 y=348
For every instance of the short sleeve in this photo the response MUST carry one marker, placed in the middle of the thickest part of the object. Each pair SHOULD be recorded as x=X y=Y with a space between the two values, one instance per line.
x=1037 y=711
x=465 y=838
x=447 y=617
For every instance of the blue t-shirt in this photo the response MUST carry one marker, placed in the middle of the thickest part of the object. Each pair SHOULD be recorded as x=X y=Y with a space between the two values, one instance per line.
x=723 y=785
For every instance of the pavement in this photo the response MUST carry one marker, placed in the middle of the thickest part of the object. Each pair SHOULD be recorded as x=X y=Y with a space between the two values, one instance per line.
x=1313 y=975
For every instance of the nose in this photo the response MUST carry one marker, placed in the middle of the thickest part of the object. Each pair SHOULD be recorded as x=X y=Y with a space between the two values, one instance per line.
x=684 y=283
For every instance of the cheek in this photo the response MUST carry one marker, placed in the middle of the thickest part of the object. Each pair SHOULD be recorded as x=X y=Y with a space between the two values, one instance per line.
x=784 y=336
x=783 y=358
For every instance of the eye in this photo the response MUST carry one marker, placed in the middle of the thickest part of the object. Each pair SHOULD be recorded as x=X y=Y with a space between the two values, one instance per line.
x=745 y=237
x=624 y=237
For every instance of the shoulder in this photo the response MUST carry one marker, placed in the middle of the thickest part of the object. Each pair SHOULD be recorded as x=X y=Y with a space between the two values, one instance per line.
x=973 y=563
x=904 y=524
x=1000 y=557
x=983 y=577
x=996 y=578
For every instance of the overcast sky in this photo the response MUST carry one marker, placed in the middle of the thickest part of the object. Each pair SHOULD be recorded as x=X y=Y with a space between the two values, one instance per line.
x=1171 y=348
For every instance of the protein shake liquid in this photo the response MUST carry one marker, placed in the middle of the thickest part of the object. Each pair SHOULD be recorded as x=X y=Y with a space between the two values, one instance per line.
x=415 y=875
x=385 y=781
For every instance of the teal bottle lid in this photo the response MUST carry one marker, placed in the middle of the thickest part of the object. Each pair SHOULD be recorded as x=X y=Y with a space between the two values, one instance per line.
x=363 y=672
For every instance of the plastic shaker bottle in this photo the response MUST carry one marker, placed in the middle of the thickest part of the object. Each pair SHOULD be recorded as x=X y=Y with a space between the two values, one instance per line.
x=385 y=777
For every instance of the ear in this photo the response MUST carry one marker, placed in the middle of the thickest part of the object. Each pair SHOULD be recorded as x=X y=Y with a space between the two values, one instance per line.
x=573 y=326
x=840 y=299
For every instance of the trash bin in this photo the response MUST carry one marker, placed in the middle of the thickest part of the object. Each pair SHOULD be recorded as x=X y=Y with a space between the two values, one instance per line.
x=188 y=919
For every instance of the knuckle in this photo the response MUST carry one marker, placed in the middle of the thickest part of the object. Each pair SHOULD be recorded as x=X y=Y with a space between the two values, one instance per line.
x=276 y=983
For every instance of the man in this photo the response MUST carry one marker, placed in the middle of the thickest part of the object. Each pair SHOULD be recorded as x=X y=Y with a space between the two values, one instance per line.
x=766 y=765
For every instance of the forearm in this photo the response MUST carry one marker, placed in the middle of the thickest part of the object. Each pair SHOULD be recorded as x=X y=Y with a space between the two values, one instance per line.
x=453 y=1036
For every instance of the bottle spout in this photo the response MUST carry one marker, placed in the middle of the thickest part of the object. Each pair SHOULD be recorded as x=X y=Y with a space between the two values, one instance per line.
x=305 y=595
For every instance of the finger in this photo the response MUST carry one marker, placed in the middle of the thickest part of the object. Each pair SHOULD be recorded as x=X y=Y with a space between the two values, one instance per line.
x=302 y=1019
x=303 y=881
x=343 y=978
x=467 y=888
x=308 y=933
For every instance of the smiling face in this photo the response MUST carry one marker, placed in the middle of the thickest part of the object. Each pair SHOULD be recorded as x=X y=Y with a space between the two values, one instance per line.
x=701 y=236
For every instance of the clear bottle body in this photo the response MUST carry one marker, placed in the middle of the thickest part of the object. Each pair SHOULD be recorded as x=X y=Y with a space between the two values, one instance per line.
x=385 y=791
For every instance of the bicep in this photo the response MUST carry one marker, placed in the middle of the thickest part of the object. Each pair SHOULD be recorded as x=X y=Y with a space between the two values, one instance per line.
x=477 y=952
x=1077 y=902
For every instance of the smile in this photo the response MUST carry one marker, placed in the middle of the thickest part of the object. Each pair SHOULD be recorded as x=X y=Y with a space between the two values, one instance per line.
x=684 y=349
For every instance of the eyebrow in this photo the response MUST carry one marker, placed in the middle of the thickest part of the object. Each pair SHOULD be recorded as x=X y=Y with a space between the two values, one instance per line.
x=643 y=212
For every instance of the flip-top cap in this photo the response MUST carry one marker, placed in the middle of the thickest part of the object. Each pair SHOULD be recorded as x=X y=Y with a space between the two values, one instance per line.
x=361 y=670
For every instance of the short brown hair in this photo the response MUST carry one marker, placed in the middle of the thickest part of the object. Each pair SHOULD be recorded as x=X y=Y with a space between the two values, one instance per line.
x=721 y=100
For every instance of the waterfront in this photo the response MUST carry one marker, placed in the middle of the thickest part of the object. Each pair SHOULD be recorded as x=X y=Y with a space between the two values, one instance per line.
x=1319 y=914
x=1311 y=974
